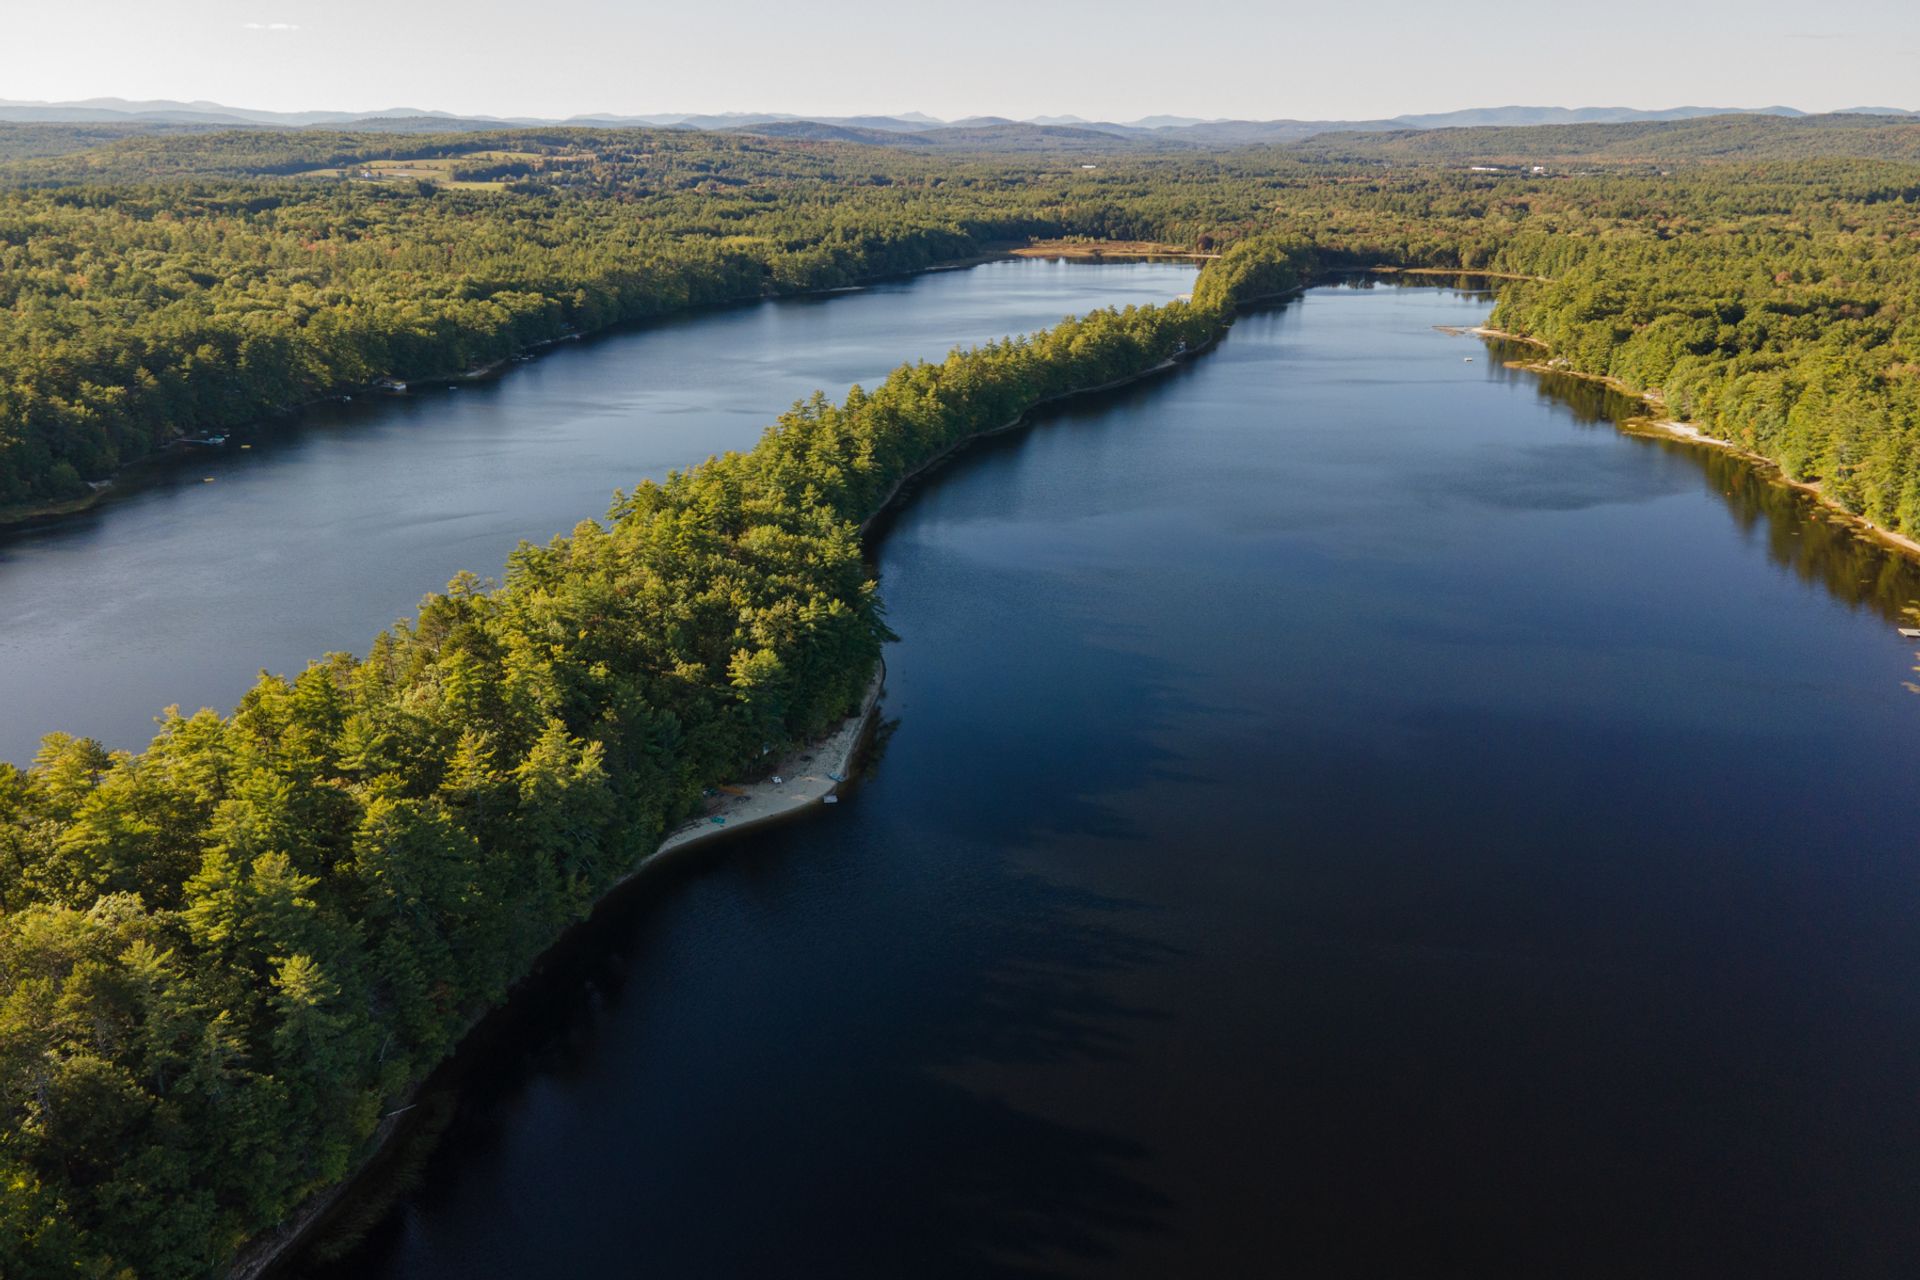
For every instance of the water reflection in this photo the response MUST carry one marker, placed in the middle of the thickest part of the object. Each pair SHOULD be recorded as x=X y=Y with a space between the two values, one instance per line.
x=1800 y=535
x=761 y=1136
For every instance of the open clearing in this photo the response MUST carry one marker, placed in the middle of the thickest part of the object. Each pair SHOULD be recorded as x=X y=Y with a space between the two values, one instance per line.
x=435 y=169
x=1107 y=249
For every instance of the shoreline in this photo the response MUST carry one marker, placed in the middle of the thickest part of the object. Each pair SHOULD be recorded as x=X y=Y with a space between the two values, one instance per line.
x=885 y=509
x=1019 y=420
x=1484 y=331
x=1658 y=424
x=812 y=774
x=883 y=512
x=1687 y=433
x=26 y=515
x=807 y=776
x=126 y=477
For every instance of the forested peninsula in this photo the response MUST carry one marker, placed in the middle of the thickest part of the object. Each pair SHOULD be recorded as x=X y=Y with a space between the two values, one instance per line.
x=223 y=958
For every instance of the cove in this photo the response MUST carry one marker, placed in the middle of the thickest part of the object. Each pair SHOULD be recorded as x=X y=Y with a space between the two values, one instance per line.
x=1346 y=807
x=316 y=537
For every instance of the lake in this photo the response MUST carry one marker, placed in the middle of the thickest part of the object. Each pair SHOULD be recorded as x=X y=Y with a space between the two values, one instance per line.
x=314 y=539
x=1344 y=808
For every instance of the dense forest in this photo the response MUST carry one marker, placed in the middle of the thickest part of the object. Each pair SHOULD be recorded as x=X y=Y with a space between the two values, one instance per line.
x=224 y=958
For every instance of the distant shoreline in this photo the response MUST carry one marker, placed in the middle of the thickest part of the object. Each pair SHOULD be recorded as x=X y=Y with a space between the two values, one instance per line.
x=1454 y=271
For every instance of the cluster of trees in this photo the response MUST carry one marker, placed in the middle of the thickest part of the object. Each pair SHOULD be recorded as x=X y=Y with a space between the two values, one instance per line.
x=224 y=958
x=27 y=141
x=147 y=154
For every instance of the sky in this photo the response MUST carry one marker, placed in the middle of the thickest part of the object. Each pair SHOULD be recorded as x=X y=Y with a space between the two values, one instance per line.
x=1100 y=59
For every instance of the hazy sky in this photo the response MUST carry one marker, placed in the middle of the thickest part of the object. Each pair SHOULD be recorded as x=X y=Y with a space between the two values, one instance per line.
x=1109 y=59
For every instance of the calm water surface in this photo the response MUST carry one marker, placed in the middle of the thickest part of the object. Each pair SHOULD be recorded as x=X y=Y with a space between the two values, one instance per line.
x=1346 y=811
x=182 y=591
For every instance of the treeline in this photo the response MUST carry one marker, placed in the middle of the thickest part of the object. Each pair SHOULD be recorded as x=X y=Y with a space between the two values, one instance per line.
x=148 y=154
x=30 y=141
x=1735 y=137
x=223 y=959
x=1800 y=346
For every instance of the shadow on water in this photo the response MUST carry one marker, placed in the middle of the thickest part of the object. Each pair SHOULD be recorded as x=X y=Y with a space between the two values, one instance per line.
x=1799 y=534
x=987 y=1190
x=1470 y=285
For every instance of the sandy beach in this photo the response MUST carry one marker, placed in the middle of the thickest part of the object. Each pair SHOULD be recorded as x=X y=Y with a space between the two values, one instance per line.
x=1686 y=431
x=1482 y=331
x=810 y=774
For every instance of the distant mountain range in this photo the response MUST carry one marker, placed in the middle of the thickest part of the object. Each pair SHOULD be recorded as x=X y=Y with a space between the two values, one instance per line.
x=908 y=128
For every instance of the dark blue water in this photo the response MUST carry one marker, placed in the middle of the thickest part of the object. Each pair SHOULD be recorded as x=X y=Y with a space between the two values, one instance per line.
x=1345 y=810
x=314 y=540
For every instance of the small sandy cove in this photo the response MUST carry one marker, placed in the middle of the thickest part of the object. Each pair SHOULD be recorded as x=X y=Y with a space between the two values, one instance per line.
x=808 y=775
